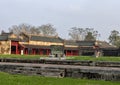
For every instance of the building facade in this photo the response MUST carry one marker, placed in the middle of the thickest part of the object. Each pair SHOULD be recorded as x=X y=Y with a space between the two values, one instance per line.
x=45 y=45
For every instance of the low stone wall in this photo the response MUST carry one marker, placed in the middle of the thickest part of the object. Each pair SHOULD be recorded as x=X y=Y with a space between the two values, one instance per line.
x=90 y=72
x=64 y=62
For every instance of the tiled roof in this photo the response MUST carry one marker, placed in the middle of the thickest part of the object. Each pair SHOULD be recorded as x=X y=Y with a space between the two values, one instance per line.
x=70 y=42
x=14 y=39
x=3 y=37
x=103 y=44
x=79 y=43
x=71 y=48
x=46 y=39
x=86 y=43
x=6 y=34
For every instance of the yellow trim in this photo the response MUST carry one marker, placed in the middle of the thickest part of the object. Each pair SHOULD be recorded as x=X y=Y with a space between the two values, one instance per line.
x=70 y=46
x=41 y=43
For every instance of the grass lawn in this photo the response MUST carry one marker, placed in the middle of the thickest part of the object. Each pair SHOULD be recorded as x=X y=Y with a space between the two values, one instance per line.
x=8 y=79
x=22 y=56
x=89 y=58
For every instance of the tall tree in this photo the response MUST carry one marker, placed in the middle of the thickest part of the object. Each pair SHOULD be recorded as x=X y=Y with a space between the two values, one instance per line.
x=75 y=33
x=114 y=38
x=89 y=37
x=34 y=30
x=91 y=34
x=25 y=28
x=47 y=30
x=83 y=34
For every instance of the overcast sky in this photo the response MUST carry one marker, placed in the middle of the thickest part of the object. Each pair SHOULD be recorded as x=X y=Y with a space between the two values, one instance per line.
x=102 y=15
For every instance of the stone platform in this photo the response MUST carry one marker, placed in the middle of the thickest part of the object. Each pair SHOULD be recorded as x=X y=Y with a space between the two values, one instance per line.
x=57 y=70
x=63 y=62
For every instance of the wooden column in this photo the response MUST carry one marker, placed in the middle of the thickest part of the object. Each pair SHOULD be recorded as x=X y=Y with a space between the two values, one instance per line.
x=34 y=51
x=47 y=52
x=77 y=53
x=66 y=53
x=71 y=53
x=26 y=51
x=16 y=49
x=40 y=51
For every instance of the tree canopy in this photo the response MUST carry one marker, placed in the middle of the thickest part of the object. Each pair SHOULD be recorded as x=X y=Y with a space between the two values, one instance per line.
x=46 y=30
x=114 y=38
x=26 y=28
x=87 y=34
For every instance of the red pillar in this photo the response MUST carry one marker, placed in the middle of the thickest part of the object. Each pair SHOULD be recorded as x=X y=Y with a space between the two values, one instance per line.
x=47 y=51
x=71 y=53
x=16 y=49
x=34 y=51
x=41 y=52
x=77 y=53
x=74 y=52
x=26 y=51
x=66 y=53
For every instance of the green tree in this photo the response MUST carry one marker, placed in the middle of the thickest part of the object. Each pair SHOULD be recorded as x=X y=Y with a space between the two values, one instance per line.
x=83 y=34
x=91 y=34
x=89 y=37
x=114 y=38
x=47 y=30
x=75 y=33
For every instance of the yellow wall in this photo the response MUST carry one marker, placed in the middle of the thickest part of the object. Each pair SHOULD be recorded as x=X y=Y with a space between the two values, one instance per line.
x=12 y=36
x=41 y=43
x=71 y=46
x=5 y=47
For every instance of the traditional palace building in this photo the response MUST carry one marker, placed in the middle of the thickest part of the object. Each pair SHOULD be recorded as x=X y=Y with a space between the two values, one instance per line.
x=44 y=45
